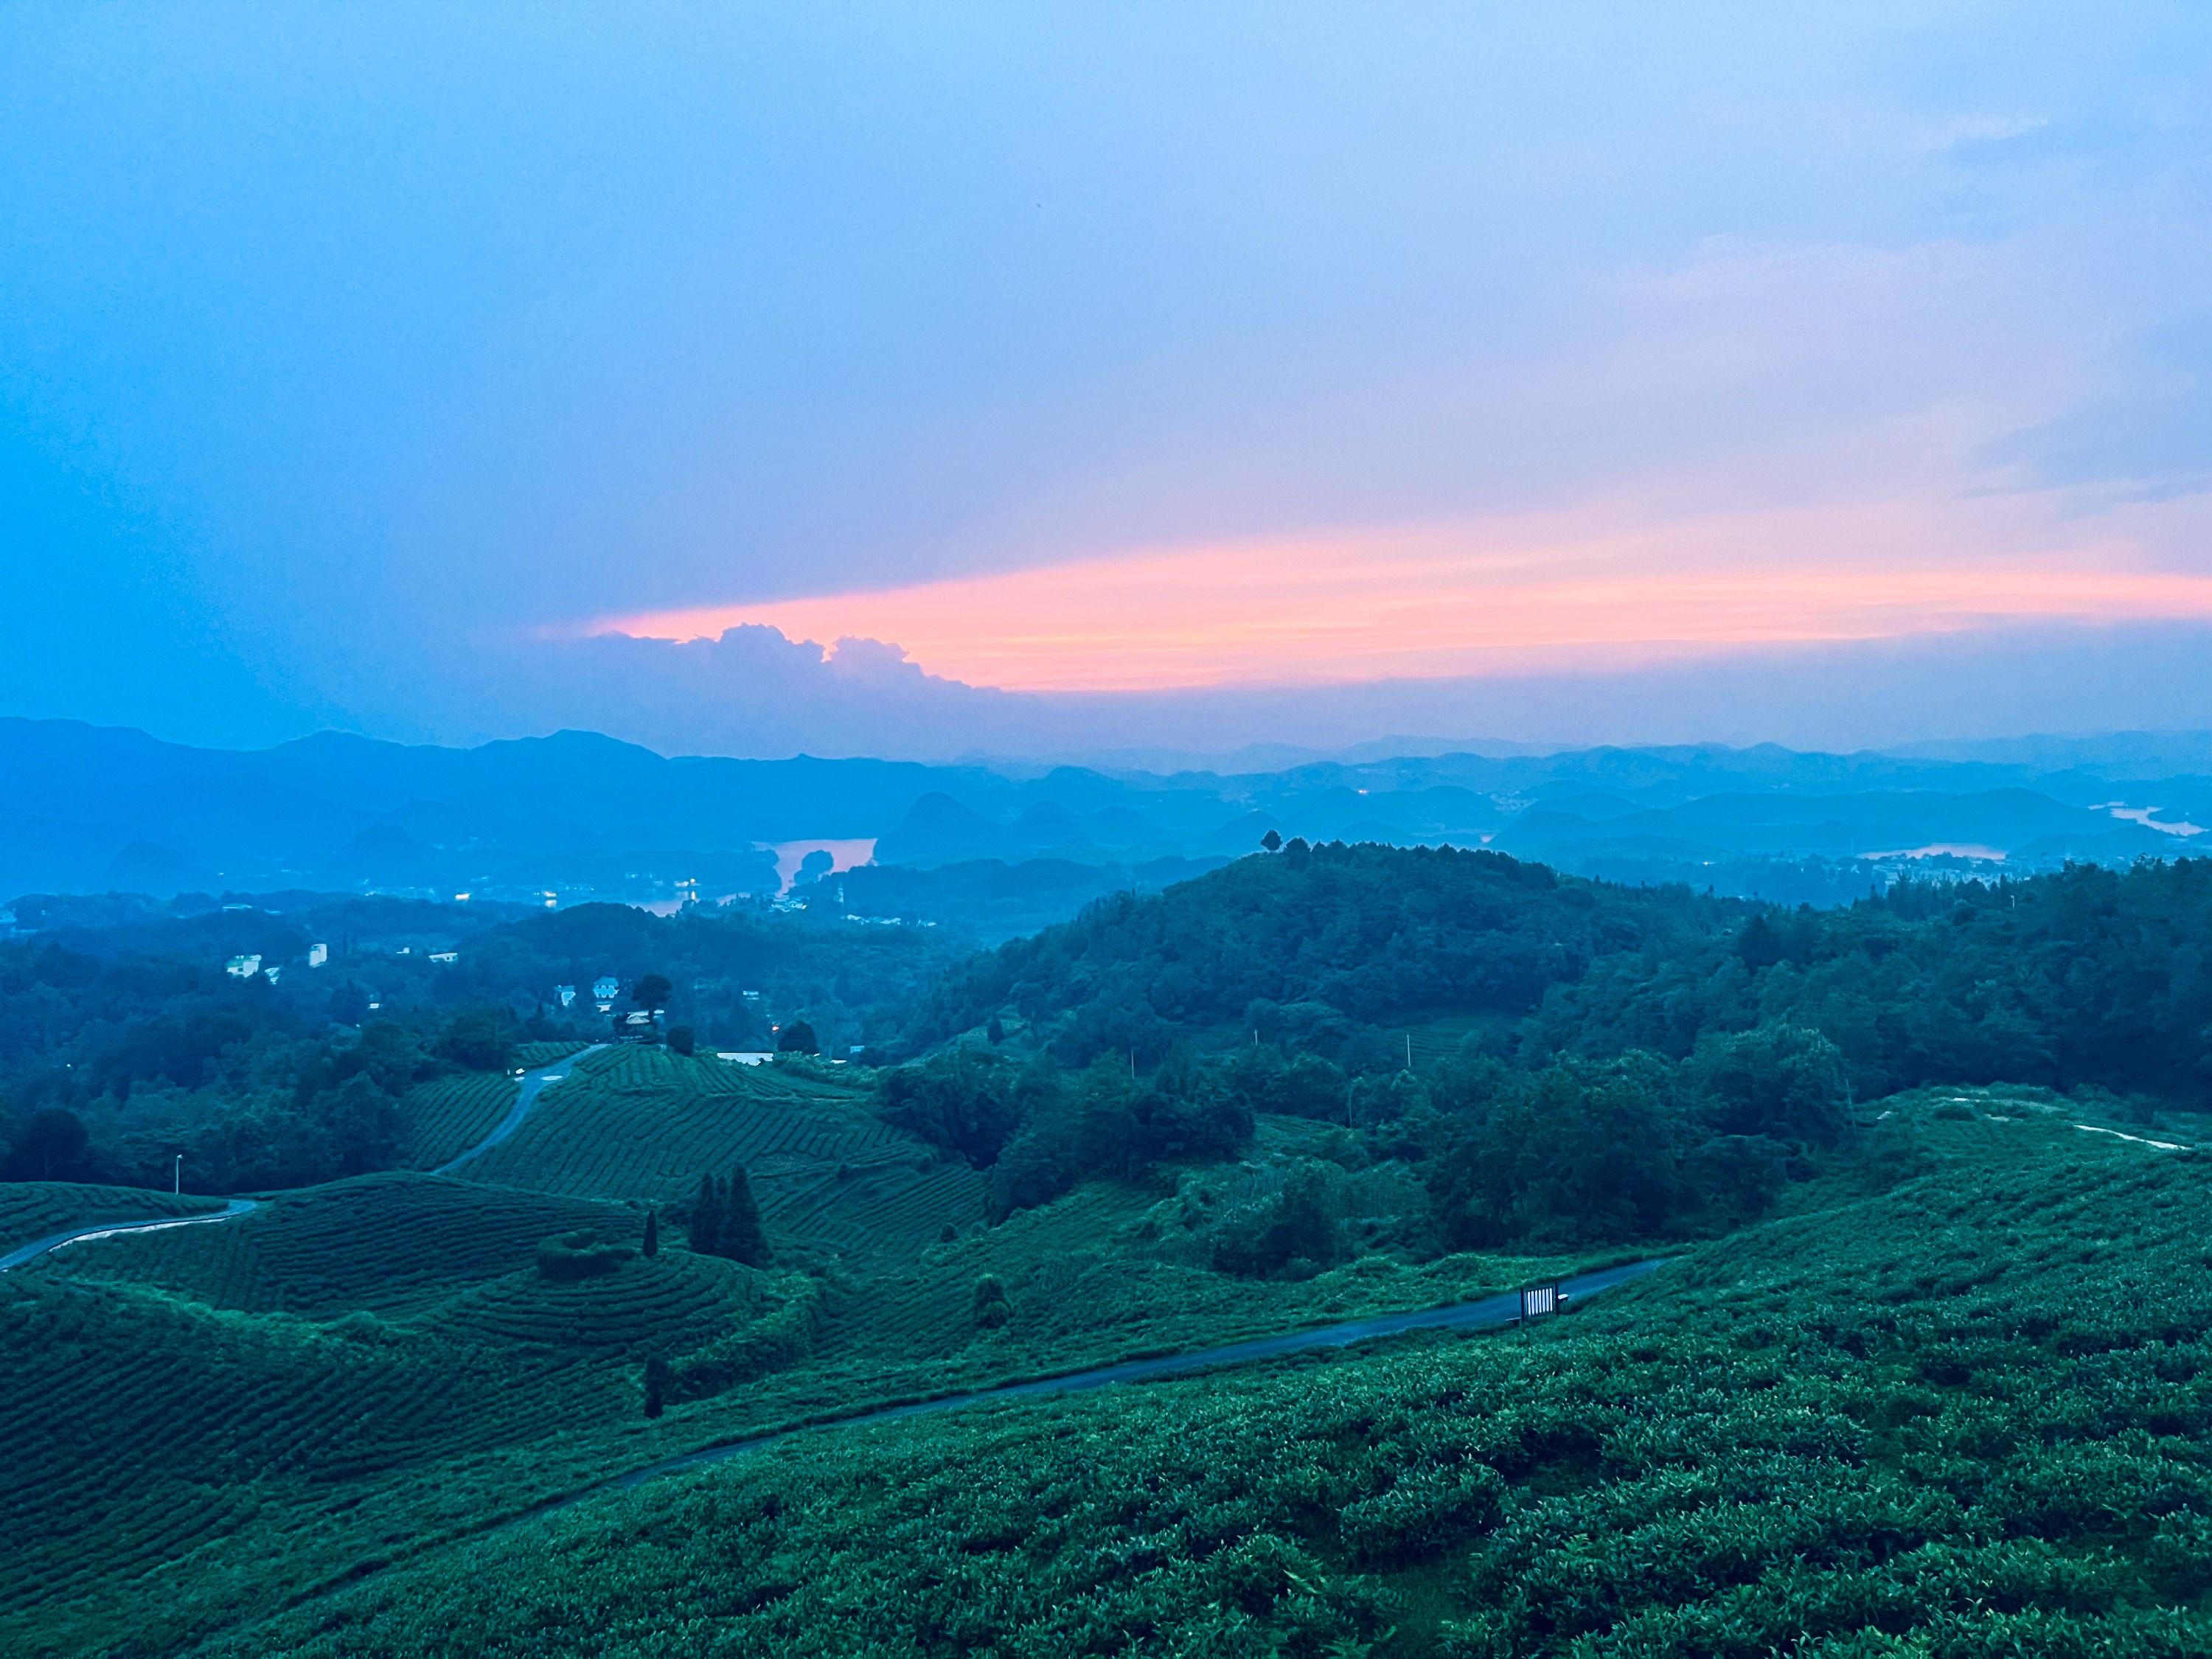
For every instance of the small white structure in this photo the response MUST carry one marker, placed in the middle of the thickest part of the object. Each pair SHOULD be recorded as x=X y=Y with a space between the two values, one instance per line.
x=242 y=967
x=318 y=955
x=445 y=956
x=606 y=989
x=750 y=1057
x=565 y=995
x=270 y=974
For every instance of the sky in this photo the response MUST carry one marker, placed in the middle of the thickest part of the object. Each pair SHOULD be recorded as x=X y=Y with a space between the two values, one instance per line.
x=952 y=379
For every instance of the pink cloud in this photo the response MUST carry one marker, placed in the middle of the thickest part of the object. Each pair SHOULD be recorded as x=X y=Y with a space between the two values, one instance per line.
x=1502 y=595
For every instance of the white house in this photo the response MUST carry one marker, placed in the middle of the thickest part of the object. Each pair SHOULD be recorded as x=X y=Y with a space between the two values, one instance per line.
x=318 y=955
x=606 y=989
x=242 y=967
x=566 y=995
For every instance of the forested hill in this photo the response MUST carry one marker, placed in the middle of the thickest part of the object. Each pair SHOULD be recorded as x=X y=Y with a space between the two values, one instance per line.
x=2086 y=975
x=1369 y=933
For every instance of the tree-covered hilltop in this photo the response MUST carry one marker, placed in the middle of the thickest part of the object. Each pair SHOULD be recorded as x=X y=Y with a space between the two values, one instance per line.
x=2084 y=976
x=1643 y=1064
x=1369 y=934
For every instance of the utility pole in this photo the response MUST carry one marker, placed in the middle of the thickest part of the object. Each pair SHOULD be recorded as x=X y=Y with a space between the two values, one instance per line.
x=1409 y=1051
x=177 y=1176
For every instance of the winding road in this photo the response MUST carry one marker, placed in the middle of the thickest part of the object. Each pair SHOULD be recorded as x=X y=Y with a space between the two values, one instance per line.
x=37 y=1248
x=1489 y=1312
x=534 y=1083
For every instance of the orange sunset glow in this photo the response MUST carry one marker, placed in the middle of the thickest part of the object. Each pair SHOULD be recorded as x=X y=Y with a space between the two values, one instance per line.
x=1484 y=598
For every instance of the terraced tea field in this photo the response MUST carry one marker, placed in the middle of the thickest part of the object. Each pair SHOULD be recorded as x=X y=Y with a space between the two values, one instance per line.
x=164 y=1427
x=532 y=1055
x=643 y=1125
x=32 y=1209
x=668 y=1304
x=383 y=1242
x=449 y=1114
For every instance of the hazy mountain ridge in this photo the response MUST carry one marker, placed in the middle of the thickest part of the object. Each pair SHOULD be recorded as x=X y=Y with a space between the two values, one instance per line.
x=98 y=808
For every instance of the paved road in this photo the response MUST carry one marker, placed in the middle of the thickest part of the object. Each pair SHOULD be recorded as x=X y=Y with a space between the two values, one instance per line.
x=534 y=1083
x=1463 y=1316
x=237 y=1206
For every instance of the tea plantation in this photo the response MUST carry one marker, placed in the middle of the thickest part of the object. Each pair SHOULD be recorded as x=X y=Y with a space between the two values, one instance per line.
x=1966 y=1415
x=643 y=1124
x=1953 y=1398
x=32 y=1209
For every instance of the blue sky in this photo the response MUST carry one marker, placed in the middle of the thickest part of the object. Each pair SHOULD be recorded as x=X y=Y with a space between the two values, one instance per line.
x=353 y=361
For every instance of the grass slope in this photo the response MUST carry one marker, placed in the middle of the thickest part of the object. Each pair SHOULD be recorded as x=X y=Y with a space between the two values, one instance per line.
x=645 y=1124
x=1968 y=1415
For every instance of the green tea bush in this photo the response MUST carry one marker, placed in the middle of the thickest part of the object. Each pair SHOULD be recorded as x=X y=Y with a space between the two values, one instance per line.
x=1969 y=1417
x=572 y=1256
x=990 y=1308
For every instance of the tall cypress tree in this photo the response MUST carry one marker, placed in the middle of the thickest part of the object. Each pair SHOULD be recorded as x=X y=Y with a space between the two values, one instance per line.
x=656 y=1385
x=742 y=1237
x=652 y=1232
x=707 y=1217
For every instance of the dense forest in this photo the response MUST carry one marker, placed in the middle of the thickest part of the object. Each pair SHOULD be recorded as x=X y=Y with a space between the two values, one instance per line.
x=1656 y=1065
x=2087 y=976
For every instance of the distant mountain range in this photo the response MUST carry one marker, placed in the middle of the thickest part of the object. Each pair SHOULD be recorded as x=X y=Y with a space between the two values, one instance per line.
x=575 y=815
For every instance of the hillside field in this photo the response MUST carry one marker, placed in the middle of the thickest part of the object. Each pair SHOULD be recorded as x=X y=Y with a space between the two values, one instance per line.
x=1961 y=1391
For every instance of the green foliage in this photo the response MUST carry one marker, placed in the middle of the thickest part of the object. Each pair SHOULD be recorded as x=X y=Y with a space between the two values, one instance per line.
x=966 y=1098
x=2089 y=975
x=1370 y=932
x=706 y=1223
x=656 y=1386
x=50 y=1143
x=571 y=1256
x=682 y=1040
x=989 y=1308
x=727 y=1222
x=479 y=1040
x=651 y=1244
x=797 y=1038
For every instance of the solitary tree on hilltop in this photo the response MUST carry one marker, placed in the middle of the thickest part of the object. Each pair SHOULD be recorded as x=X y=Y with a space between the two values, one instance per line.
x=797 y=1038
x=1272 y=841
x=652 y=992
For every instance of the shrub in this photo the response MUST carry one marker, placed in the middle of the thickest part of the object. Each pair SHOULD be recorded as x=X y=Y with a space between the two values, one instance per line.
x=991 y=1309
x=567 y=1257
